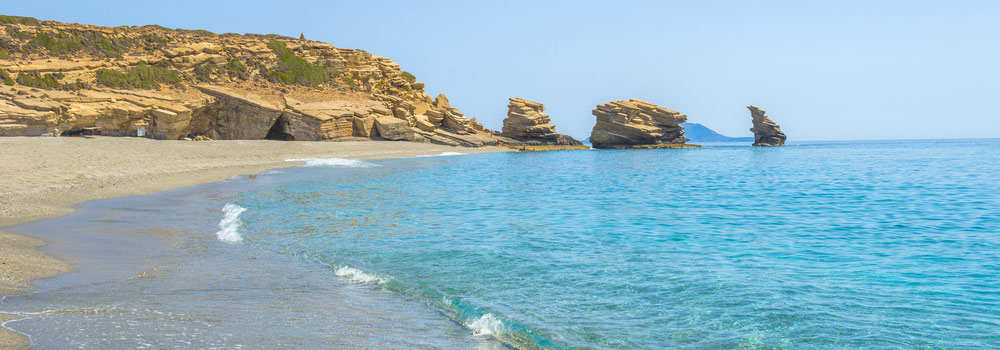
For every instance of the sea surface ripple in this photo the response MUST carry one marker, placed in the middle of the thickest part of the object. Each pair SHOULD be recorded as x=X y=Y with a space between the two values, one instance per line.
x=811 y=246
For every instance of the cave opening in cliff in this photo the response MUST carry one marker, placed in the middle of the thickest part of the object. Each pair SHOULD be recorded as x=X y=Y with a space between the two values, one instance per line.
x=280 y=130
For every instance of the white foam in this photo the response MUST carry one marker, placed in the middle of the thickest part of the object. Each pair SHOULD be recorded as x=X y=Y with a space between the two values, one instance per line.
x=230 y=224
x=334 y=162
x=358 y=276
x=444 y=154
x=486 y=325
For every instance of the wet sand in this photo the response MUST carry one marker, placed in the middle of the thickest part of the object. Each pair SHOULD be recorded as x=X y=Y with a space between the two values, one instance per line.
x=46 y=177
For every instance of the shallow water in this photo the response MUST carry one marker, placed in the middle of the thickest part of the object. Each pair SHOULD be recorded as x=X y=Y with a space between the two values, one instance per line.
x=817 y=245
x=153 y=272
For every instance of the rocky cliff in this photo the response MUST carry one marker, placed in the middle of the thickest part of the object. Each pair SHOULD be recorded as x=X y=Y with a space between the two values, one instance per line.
x=60 y=78
x=765 y=131
x=527 y=124
x=637 y=124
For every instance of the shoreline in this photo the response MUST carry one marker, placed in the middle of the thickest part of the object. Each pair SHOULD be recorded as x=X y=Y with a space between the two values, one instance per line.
x=48 y=177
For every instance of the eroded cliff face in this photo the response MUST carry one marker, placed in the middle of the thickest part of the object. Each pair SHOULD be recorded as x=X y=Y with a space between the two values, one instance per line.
x=60 y=78
x=637 y=124
x=765 y=131
x=527 y=124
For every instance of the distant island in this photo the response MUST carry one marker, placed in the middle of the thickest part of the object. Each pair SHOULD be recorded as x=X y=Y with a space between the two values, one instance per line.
x=700 y=133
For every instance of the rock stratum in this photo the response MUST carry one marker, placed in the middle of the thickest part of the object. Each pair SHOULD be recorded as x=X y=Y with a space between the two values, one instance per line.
x=765 y=131
x=637 y=124
x=61 y=78
x=526 y=124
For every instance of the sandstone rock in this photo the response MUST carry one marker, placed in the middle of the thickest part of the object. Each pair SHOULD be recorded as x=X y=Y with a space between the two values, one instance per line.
x=422 y=123
x=525 y=122
x=394 y=129
x=364 y=127
x=626 y=124
x=442 y=102
x=456 y=121
x=222 y=87
x=765 y=131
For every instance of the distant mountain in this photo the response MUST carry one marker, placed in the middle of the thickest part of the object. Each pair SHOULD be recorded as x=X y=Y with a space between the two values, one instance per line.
x=700 y=133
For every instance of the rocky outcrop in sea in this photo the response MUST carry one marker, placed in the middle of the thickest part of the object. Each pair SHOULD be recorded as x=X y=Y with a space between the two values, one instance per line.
x=60 y=78
x=637 y=124
x=765 y=131
x=527 y=124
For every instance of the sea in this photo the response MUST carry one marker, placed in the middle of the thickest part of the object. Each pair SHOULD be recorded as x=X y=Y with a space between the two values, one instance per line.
x=815 y=245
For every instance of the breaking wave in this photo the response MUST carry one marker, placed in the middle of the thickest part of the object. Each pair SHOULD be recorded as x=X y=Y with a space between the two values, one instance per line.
x=334 y=162
x=486 y=325
x=443 y=154
x=358 y=276
x=230 y=224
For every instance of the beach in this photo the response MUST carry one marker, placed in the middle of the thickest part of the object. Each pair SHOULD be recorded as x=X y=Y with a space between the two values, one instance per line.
x=47 y=177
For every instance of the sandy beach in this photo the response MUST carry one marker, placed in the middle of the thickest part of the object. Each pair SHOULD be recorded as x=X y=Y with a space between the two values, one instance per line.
x=47 y=177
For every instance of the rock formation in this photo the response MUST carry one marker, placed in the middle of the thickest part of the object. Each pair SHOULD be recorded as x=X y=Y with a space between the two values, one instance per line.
x=527 y=124
x=637 y=124
x=765 y=131
x=175 y=84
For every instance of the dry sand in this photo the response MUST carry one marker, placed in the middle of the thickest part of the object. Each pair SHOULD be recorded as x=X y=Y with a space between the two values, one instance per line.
x=46 y=177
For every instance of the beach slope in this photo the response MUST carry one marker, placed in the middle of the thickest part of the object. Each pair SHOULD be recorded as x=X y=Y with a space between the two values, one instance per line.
x=46 y=177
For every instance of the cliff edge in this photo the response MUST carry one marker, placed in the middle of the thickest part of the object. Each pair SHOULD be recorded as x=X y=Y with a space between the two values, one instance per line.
x=61 y=78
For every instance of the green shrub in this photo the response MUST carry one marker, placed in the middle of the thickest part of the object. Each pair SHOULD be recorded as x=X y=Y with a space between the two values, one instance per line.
x=18 y=20
x=57 y=44
x=142 y=76
x=157 y=27
x=235 y=65
x=205 y=71
x=17 y=34
x=350 y=82
x=7 y=79
x=237 y=69
x=154 y=39
x=200 y=32
x=292 y=69
x=409 y=77
x=71 y=41
x=37 y=80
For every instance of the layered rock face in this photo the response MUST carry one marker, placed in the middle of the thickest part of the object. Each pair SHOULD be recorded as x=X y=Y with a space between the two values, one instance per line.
x=59 y=78
x=526 y=123
x=635 y=123
x=765 y=131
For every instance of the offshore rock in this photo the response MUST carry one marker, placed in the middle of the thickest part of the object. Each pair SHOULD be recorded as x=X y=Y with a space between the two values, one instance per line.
x=765 y=131
x=526 y=124
x=637 y=124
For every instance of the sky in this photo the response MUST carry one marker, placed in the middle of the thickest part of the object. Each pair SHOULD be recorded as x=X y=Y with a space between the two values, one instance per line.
x=824 y=70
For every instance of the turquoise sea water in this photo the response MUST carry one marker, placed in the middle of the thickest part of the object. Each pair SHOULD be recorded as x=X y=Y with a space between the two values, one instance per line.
x=859 y=245
x=820 y=245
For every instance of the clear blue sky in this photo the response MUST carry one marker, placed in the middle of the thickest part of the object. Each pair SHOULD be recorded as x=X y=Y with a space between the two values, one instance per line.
x=824 y=70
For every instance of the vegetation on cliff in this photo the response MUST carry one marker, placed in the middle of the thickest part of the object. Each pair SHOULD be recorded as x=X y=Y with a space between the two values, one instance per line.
x=211 y=86
x=292 y=69
x=6 y=78
x=142 y=76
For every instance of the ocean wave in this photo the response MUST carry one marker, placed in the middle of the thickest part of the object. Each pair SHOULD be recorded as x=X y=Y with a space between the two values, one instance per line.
x=443 y=154
x=487 y=324
x=334 y=162
x=358 y=276
x=230 y=224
